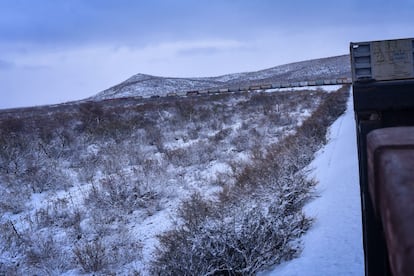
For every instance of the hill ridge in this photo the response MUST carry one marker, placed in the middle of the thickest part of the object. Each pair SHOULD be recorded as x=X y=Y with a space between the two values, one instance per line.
x=147 y=85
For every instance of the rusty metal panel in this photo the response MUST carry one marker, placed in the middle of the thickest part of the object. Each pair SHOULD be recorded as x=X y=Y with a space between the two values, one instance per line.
x=392 y=59
x=383 y=60
x=390 y=153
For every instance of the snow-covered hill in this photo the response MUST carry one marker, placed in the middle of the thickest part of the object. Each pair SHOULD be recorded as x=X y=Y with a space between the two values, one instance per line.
x=147 y=85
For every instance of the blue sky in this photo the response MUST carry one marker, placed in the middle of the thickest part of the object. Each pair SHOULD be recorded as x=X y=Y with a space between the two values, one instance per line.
x=53 y=51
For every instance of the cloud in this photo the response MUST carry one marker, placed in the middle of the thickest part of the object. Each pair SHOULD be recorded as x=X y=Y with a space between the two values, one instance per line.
x=75 y=49
x=54 y=24
x=205 y=51
x=207 y=48
x=6 y=65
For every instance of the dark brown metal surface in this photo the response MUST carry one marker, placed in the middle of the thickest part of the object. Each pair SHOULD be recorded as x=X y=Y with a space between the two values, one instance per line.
x=390 y=156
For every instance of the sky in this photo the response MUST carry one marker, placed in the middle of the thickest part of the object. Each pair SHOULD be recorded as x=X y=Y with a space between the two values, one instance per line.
x=53 y=51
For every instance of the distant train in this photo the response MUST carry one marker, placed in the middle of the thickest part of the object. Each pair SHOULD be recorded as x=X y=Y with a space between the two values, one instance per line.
x=266 y=86
x=233 y=89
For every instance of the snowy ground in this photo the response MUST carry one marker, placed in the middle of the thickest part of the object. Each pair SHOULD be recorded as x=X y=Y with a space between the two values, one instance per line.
x=333 y=246
x=113 y=188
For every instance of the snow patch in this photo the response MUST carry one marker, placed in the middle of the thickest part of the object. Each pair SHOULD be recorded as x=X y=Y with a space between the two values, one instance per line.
x=333 y=245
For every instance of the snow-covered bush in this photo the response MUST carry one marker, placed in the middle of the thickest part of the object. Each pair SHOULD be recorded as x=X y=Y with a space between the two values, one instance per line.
x=109 y=177
x=91 y=255
x=106 y=255
x=259 y=218
x=240 y=240
x=122 y=194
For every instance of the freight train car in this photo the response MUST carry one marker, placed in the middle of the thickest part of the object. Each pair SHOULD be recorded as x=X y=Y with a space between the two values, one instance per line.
x=383 y=92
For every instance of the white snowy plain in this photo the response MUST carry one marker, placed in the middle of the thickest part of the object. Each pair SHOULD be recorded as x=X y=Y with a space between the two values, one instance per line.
x=333 y=245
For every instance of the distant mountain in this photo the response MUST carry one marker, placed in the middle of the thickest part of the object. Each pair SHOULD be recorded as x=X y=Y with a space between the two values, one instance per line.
x=147 y=85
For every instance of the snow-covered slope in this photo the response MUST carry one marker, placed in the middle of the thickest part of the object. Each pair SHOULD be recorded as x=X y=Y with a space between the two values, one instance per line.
x=333 y=246
x=147 y=85
x=113 y=175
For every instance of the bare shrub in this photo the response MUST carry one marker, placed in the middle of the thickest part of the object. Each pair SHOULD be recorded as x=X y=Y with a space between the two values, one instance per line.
x=241 y=142
x=204 y=114
x=215 y=124
x=122 y=195
x=221 y=135
x=10 y=239
x=233 y=238
x=282 y=119
x=87 y=172
x=235 y=242
x=196 y=154
x=194 y=132
x=47 y=175
x=259 y=99
x=44 y=254
x=52 y=139
x=11 y=125
x=194 y=211
x=107 y=255
x=14 y=197
x=154 y=136
x=186 y=110
x=111 y=160
x=91 y=256
x=14 y=150
x=176 y=156
x=55 y=215
x=151 y=167
x=8 y=269
x=123 y=249
x=90 y=114
x=203 y=153
x=227 y=238
x=295 y=151
x=106 y=143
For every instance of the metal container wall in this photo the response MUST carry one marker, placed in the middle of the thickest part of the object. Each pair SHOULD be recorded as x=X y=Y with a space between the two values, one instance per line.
x=383 y=60
x=390 y=154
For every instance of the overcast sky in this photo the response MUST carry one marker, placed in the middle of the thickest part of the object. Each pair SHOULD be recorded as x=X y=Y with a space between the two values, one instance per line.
x=53 y=51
